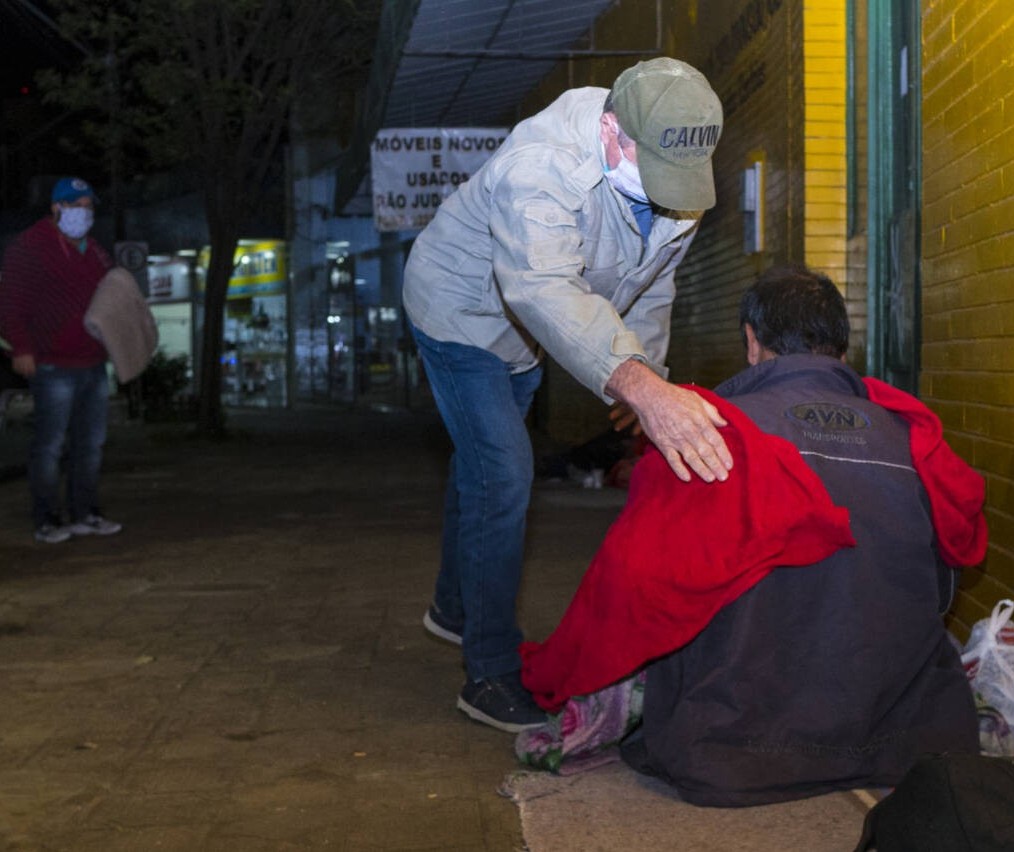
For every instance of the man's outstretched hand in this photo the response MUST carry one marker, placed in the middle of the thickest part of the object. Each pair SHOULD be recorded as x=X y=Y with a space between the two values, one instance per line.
x=680 y=423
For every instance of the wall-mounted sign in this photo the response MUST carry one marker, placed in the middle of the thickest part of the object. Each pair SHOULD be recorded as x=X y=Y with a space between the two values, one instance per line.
x=415 y=168
x=258 y=268
x=133 y=256
x=168 y=279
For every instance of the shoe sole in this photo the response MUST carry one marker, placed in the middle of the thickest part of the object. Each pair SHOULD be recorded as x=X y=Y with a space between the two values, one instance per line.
x=500 y=725
x=440 y=632
x=90 y=531
x=41 y=540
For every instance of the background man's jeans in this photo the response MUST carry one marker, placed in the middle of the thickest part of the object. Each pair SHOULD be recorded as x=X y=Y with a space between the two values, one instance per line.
x=488 y=490
x=70 y=408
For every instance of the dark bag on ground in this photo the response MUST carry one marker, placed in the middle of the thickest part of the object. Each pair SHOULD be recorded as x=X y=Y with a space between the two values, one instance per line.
x=946 y=803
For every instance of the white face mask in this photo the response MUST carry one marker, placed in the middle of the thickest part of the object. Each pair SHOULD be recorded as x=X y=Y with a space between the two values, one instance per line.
x=626 y=178
x=75 y=222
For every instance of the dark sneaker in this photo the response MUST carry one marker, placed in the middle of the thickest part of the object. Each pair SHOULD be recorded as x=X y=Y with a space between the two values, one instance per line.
x=440 y=626
x=51 y=533
x=501 y=702
x=94 y=525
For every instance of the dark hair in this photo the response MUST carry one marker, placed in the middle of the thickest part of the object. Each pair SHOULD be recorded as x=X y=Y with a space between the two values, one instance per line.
x=793 y=309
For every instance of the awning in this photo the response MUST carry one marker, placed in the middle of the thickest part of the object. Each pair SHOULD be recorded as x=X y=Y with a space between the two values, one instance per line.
x=466 y=63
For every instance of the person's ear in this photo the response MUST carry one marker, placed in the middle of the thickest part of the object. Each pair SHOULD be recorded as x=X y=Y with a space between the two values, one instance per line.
x=56 y=211
x=754 y=350
x=608 y=131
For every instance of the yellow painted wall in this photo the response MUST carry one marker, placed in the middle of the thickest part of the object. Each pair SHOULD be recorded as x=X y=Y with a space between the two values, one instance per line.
x=968 y=261
x=825 y=160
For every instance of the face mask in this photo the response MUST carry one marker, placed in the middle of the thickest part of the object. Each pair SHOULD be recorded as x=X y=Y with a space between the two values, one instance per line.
x=75 y=222
x=626 y=178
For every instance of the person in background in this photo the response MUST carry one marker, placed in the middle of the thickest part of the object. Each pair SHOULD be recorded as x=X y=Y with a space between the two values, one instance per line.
x=564 y=243
x=50 y=273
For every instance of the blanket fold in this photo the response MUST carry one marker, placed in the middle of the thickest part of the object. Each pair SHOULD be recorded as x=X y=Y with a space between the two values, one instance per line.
x=956 y=491
x=119 y=317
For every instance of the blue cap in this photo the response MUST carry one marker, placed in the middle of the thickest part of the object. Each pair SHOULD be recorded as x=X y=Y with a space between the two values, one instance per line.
x=70 y=189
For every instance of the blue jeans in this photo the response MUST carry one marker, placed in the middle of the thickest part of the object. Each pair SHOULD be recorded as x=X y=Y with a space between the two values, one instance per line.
x=70 y=407
x=489 y=487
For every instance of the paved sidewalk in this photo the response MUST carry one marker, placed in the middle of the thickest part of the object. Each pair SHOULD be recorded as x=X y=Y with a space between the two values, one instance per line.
x=244 y=667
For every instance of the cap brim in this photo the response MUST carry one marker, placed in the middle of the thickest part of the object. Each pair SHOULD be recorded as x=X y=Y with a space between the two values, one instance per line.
x=689 y=186
x=70 y=199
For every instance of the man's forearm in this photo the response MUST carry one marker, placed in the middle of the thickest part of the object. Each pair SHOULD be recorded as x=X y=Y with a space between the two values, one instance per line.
x=632 y=382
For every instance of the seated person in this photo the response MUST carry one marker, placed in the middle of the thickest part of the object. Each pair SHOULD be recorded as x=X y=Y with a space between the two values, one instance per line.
x=833 y=674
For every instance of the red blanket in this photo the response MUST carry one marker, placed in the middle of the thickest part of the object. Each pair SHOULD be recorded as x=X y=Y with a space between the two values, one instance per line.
x=957 y=493
x=674 y=542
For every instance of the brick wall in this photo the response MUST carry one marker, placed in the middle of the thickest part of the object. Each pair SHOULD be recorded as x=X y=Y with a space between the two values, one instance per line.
x=968 y=261
x=754 y=60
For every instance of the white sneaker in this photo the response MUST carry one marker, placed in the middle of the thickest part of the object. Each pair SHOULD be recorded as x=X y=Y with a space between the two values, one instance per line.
x=51 y=533
x=94 y=525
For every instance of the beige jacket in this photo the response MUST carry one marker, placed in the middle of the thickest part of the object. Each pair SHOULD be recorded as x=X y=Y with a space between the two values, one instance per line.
x=538 y=251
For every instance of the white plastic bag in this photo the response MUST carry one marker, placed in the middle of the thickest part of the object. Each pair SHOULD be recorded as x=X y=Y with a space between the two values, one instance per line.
x=988 y=658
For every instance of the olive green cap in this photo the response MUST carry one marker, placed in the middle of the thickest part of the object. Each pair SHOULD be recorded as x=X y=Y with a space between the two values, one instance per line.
x=670 y=110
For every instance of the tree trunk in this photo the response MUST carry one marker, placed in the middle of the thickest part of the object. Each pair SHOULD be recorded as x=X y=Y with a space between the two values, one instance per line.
x=210 y=417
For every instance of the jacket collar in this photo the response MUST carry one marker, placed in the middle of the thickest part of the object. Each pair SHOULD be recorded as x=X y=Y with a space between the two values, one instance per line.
x=829 y=372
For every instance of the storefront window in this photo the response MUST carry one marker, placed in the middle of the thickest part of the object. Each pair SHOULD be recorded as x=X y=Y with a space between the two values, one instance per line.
x=255 y=333
x=365 y=330
x=170 y=288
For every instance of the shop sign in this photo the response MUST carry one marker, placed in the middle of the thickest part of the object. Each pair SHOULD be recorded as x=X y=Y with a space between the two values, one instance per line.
x=414 y=169
x=259 y=269
x=168 y=279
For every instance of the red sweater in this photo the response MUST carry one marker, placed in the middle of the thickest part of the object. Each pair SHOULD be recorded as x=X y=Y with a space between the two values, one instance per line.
x=45 y=289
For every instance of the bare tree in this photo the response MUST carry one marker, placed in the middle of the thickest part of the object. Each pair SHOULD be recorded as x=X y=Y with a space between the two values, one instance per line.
x=215 y=83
